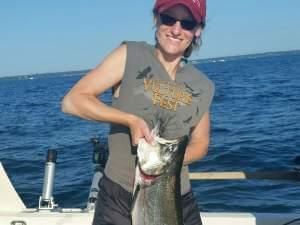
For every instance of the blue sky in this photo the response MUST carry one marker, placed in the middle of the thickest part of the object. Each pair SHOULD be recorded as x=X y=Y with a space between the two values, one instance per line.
x=60 y=35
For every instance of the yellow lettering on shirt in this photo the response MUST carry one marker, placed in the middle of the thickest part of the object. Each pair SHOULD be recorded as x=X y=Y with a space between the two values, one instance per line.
x=167 y=95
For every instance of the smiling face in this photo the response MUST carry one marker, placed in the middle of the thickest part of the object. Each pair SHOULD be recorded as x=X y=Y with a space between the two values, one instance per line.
x=173 y=40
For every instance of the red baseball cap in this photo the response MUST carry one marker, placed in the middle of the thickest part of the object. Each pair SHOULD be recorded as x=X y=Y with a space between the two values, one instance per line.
x=196 y=7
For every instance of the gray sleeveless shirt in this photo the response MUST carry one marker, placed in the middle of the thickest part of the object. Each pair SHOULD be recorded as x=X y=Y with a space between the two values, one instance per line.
x=148 y=91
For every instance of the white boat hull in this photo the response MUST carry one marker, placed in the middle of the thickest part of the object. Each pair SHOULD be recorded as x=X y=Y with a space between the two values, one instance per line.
x=14 y=212
x=32 y=217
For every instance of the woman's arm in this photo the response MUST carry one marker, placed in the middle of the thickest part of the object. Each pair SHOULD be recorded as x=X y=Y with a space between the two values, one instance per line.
x=198 y=145
x=82 y=99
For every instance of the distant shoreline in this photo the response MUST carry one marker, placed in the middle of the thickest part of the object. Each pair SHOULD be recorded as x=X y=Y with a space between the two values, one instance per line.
x=262 y=54
x=213 y=59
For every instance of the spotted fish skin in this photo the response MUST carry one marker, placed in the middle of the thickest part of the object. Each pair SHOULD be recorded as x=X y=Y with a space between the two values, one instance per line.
x=157 y=195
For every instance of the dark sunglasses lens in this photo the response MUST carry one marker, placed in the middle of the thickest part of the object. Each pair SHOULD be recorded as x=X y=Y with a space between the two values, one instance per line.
x=170 y=21
x=167 y=20
x=188 y=25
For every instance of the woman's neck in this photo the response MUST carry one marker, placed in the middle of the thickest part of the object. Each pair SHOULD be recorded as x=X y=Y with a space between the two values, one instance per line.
x=170 y=63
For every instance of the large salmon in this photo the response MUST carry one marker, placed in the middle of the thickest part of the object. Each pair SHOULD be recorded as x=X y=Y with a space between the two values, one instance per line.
x=156 y=196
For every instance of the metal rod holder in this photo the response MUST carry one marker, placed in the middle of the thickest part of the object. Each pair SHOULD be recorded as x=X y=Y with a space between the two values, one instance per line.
x=46 y=201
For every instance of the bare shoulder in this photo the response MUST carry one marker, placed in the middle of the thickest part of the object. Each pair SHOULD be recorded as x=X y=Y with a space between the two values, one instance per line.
x=118 y=55
x=113 y=63
x=105 y=75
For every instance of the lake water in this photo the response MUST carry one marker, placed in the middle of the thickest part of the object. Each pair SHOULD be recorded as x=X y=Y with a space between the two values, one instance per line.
x=255 y=127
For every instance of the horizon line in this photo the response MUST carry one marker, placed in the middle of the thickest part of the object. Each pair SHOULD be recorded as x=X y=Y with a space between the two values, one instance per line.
x=191 y=60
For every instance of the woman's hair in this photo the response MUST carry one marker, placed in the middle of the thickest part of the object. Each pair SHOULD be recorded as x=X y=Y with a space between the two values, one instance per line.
x=196 y=42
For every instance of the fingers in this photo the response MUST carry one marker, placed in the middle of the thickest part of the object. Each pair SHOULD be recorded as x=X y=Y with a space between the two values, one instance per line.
x=139 y=129
x=142 y=133
x=134 y=141
x=148 y=136
x=136 y=134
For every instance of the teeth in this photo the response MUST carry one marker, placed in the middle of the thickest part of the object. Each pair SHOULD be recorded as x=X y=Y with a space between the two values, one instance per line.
x=174 y=39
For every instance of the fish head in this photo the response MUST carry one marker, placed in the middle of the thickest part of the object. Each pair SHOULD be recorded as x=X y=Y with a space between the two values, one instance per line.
x=156 y=158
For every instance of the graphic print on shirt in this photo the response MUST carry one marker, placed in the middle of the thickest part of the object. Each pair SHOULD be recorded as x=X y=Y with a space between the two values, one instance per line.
x=166 y=94
x=175 y=105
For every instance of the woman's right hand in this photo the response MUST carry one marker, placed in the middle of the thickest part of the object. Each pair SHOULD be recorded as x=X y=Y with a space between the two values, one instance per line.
x=139 y=129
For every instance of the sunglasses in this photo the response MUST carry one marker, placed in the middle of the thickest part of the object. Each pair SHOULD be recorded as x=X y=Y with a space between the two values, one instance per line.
x=170 y=21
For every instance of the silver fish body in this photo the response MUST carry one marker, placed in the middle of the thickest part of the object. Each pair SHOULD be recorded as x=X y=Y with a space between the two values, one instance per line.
x=157 y=196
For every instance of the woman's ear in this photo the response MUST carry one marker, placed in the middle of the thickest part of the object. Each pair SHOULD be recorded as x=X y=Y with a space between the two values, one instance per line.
x=155 y=20
x=198 y=32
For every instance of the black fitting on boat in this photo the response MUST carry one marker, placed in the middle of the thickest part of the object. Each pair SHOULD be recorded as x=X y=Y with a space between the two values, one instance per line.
x=99 y=159
x=100 y=153
x=51 y=156
x=97 y=150
x=297 y=162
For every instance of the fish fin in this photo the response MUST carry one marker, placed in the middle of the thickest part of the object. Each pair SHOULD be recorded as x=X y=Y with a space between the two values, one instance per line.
x=136 y=187
x=155 y=130
x=135 y=194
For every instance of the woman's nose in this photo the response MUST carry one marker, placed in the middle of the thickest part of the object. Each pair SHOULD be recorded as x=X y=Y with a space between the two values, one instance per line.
x=176 y=28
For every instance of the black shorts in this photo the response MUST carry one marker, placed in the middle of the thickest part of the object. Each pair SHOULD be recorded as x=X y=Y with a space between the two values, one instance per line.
x=114 y=205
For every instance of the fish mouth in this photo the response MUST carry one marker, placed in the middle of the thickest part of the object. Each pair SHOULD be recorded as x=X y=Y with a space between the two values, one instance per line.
x=147 y=177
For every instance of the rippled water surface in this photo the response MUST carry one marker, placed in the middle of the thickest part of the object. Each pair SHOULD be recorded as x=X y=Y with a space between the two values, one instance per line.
x=255 y=126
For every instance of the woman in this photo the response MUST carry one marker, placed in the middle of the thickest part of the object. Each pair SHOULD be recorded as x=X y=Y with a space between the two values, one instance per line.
x=151 y=84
